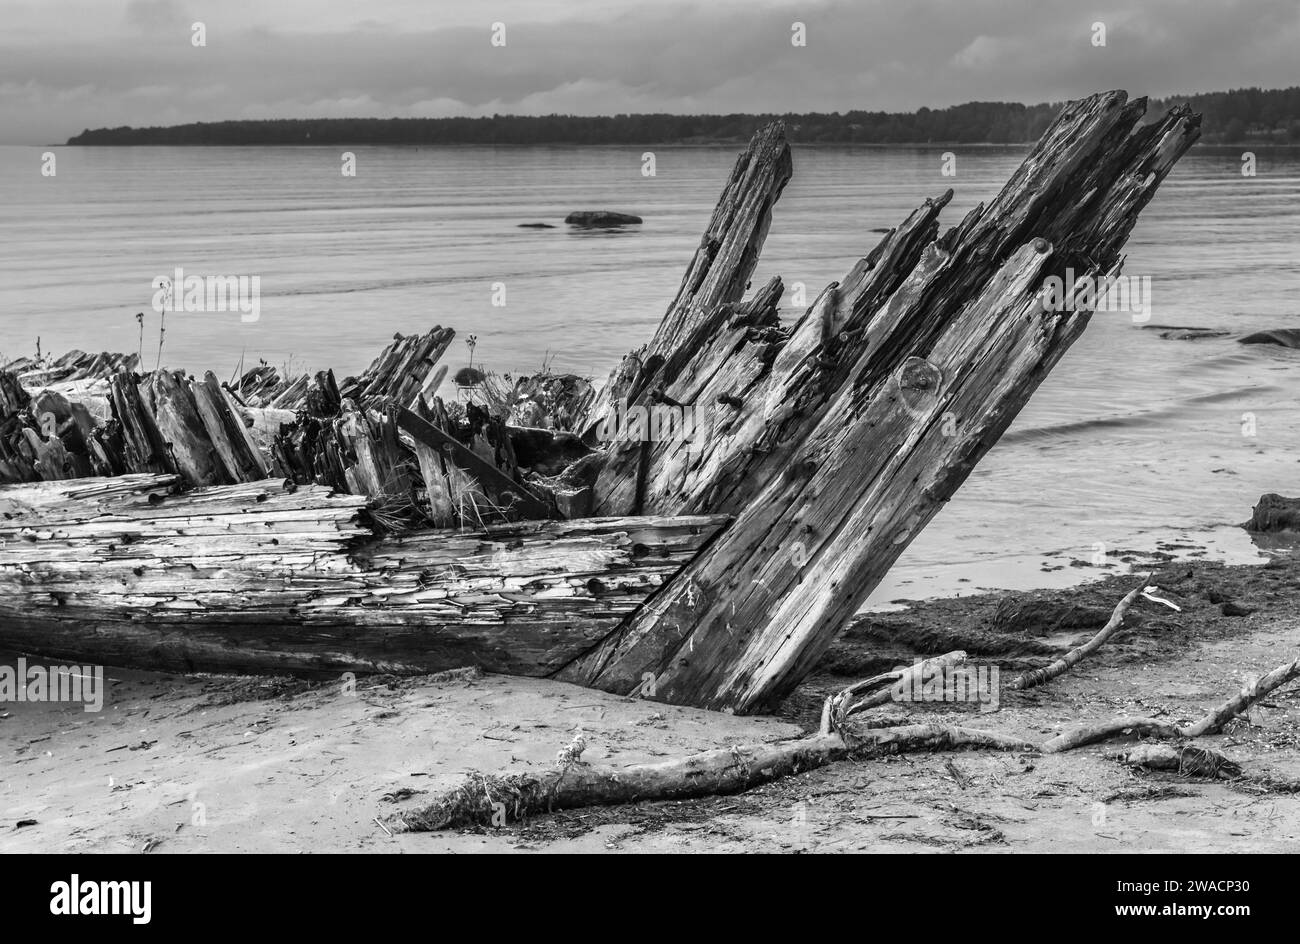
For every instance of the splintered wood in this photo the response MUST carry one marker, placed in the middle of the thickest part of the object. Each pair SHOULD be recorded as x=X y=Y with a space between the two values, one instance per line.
x=209 y=433
x=836 y=440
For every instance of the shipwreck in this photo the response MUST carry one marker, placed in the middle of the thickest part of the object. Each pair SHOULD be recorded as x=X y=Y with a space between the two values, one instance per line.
x=162 y=520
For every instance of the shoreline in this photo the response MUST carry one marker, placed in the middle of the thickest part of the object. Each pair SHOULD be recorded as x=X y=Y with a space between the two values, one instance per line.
x=909 y=583
x=721 y=142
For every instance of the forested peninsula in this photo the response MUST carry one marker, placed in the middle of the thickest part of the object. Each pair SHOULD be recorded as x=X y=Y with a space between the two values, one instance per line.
x=1241 y=116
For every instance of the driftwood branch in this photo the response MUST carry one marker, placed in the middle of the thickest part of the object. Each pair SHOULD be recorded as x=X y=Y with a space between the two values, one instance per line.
x=1104 y=731
x=1214 y=721
x=850 y=701
x=497 y=800
x=1211 y=723
x=1075 y=656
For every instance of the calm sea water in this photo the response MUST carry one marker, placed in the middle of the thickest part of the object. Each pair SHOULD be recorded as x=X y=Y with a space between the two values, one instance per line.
x=1131 y=442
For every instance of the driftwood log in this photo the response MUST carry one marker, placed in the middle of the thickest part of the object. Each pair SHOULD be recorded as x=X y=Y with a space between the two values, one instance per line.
x=481 y=799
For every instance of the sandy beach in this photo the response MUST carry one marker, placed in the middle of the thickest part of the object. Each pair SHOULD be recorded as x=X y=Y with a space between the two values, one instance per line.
x=242 y=764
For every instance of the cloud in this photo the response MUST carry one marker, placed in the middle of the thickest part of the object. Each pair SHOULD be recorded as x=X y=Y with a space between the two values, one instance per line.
x=156 y=16
x=117 y=64
x=982 y=53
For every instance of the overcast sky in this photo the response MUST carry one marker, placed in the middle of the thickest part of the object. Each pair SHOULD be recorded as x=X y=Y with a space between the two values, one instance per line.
x=66 y=65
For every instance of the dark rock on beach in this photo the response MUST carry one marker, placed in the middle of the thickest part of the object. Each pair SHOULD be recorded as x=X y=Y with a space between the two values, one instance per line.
x=1275 y=513
x=1185 y=333
x=1283 y=337
x=1236 y=609
x=600 y=218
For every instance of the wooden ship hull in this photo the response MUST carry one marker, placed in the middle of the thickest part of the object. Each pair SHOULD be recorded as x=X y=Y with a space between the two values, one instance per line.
x=268 y=576
x=268 y=525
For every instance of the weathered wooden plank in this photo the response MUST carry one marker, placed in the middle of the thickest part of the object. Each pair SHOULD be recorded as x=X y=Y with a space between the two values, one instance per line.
x=401 y=370
x=172 y=402
x=144 y=449
x=445 y=483
x=231 y=442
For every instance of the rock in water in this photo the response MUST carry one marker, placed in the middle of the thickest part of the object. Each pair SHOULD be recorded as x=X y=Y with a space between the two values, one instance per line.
x=600 y=218
x=1283 y=337
x=1275 y=513
x=1184 y=333
x=536 y=226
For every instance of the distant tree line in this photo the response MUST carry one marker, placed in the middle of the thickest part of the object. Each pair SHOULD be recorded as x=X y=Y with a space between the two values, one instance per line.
x=1238 y=116
x=1243 y=115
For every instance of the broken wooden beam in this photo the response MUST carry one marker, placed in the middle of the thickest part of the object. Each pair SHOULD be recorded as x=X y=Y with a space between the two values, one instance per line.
x=506 y=494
